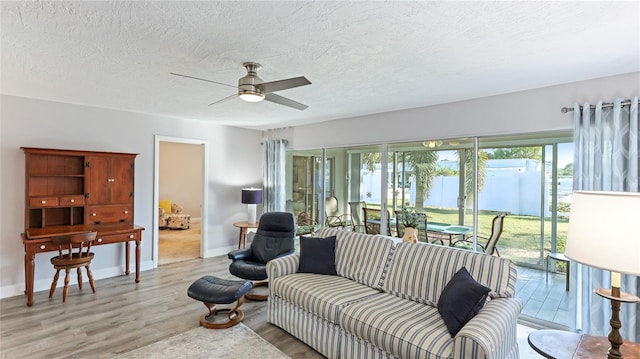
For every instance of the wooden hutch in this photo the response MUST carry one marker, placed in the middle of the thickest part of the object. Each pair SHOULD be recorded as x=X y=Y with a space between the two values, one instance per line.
x=69 y=191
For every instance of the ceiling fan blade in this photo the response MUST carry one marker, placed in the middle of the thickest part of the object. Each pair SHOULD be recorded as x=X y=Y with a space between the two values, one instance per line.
x=273 y=86
x=285 y=101
x=197 y=78
x=224 y=99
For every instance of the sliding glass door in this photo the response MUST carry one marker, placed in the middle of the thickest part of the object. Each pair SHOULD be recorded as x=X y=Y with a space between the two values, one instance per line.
x=304 y=184
x=528 y=177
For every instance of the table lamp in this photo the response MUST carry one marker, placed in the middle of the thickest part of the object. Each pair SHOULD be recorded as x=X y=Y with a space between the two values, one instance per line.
x=601 y=234
x=252 y=197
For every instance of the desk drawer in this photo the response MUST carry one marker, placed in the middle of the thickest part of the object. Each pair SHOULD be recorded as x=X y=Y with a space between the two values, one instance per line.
x=46 y=247
x=118 y=238
x=40 y=202
x=108 y=214
x=74 y=200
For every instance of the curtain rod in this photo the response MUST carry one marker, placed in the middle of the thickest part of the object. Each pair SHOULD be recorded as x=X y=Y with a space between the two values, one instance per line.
x=285 y=142
x=593 y=107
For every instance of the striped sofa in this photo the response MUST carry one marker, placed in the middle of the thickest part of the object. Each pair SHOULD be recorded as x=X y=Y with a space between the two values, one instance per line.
x=382 y=303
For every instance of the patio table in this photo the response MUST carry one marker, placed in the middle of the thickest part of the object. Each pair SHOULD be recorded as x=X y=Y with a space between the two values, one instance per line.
x=445 y=231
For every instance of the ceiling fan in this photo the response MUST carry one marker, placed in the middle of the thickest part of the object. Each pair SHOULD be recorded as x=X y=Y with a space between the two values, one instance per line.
x=251 y=88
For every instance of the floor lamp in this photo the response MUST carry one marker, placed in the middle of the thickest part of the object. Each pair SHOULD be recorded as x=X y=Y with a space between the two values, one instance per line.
x=252 y=197
x=602 y=234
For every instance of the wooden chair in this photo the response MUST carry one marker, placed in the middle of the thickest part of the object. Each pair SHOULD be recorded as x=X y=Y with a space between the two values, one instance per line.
x=67 y=259
x=372 y=220
x=490 y=247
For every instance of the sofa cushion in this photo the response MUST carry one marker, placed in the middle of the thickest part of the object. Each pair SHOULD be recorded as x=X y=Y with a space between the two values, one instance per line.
x=361 y=257
x=461 y=299
x=404 y=328
x=321 y=295
x=317 y=255
x=420 y=272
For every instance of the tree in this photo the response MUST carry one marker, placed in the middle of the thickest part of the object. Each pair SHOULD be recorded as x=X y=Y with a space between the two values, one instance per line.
x=425 y=166
x=534 y=153
x=370 y=159
x=468 y=173
x=425 y=169
x=567 y=171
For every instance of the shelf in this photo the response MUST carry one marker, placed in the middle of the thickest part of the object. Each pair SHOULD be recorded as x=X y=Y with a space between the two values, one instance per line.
x=57 y=175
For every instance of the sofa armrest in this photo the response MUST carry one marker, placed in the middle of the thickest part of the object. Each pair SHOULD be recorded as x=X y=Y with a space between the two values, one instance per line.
x=491 y=333
x=282 y=266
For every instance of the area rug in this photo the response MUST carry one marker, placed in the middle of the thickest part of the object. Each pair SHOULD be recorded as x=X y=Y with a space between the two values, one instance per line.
x=232 y=343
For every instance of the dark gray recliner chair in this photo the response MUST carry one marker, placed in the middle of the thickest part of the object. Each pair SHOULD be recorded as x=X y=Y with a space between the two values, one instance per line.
x=274 y=238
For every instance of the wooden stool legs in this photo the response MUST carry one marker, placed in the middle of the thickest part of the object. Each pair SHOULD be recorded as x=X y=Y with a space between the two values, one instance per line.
x=234 y=316
x=65 y=290
x=55 y=283
x=91 y=283
x=255 y=296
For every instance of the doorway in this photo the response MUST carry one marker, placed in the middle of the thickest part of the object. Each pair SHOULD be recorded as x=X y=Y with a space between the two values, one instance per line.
x=179 y=178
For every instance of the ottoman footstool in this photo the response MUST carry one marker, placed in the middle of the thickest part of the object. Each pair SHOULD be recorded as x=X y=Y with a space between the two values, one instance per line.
x=212 y=290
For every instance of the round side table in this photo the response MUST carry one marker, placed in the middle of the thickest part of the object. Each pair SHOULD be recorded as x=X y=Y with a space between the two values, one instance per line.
x=242 y=239
x=560 y=344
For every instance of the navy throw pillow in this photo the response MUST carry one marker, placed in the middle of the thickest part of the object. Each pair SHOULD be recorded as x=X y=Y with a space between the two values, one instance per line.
x=461 y=299
x=317 y=255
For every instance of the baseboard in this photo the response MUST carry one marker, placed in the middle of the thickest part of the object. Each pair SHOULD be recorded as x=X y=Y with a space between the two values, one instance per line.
x=218 y=251
x=44 y=284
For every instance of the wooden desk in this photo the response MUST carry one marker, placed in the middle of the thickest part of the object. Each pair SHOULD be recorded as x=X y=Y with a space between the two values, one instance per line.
x=559 y=344
x=38 y=240
x=242 y=239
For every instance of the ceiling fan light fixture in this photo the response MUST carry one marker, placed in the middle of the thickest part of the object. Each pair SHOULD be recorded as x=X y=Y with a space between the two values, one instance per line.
x=432 y=144
x=251 y=96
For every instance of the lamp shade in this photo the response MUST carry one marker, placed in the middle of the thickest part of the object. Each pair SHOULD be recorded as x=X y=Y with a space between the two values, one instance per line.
x=603 y=231
x=252 y=195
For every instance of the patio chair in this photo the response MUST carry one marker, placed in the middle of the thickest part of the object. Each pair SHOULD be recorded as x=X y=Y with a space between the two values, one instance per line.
x=490 y=247
x=305 y=224
x=334 y=218
x=372 y=220
x=357 y=216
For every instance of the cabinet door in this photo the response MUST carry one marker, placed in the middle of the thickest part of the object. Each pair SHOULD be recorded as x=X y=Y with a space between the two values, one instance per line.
x=110 y=180
x=121 y=174
x=98 y=179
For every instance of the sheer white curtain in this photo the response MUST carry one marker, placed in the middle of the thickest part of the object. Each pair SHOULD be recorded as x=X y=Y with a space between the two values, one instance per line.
x=273 y=194
x=605 y=159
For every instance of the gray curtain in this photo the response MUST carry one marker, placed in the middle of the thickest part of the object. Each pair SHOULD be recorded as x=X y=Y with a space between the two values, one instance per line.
x=273 y=195
x=605 y=159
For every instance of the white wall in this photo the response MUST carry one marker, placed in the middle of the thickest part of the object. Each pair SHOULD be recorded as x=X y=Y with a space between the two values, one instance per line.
x=536 y=110
x=36 y=123
x=181 y=175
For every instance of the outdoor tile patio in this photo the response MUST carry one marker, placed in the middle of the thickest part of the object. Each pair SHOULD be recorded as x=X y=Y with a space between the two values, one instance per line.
x=545 y=304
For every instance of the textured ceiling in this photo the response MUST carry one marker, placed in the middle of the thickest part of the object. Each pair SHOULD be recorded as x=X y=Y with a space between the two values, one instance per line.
x=361 y=57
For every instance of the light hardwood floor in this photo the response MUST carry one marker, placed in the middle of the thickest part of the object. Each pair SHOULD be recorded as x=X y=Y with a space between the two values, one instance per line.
x=122 y=316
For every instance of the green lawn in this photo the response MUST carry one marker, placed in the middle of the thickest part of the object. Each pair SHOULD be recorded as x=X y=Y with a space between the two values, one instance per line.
x=520 y=240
